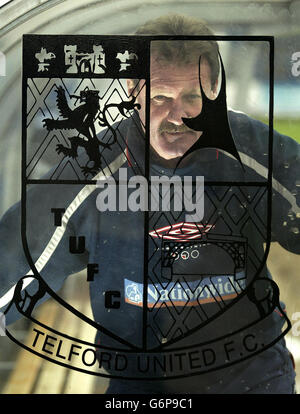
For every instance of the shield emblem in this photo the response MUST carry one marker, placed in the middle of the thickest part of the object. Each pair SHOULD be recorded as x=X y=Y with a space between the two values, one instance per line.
x=173 y=252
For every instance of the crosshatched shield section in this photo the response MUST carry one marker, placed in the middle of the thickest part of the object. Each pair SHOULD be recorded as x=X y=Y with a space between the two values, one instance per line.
x=206 y=265
x=60 y=114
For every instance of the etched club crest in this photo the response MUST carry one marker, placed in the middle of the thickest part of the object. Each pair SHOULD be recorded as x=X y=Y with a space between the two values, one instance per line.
x=175 y=257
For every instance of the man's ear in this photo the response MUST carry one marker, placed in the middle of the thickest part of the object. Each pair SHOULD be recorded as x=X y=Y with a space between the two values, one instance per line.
x=215 y=90
x=130 y=86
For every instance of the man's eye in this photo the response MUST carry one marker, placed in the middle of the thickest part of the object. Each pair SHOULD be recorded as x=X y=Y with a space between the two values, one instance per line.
x=160 y=98
x=193 y=96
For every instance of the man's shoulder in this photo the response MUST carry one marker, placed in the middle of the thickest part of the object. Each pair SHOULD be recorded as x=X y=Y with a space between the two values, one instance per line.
x=254 y=128
x=254 y=138
x=250 y=135
x=120 y=127
x=243 y=122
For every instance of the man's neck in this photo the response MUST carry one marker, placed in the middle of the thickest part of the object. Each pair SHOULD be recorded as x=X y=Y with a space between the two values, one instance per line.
x=170 y=164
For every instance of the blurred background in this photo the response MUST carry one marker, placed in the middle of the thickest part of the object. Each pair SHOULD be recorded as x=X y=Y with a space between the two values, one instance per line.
x=247 y=89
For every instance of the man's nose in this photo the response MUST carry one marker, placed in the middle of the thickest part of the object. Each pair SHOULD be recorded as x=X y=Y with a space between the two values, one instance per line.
x=177 y=111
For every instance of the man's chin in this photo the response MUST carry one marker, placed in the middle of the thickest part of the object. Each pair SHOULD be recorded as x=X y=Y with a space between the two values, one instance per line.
x=175 y=145
x=178 y=138
x=171 y=153
x=167 y=160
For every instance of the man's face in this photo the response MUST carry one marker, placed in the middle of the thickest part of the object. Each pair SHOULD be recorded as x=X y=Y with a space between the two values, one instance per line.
x=175 y=94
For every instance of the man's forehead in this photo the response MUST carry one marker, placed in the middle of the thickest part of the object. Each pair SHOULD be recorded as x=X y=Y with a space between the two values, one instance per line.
x=172 y=74
x=170 y=80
